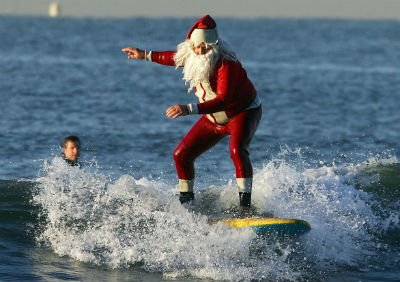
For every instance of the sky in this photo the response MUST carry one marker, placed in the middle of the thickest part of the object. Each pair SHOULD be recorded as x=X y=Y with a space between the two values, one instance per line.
x=336 y=9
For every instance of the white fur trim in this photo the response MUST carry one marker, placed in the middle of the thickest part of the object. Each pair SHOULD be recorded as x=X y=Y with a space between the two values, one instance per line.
x=193 y=109
x=186 y=185
x=148 y=56
x=205 y=93
x=200 y=35
x=244 y=184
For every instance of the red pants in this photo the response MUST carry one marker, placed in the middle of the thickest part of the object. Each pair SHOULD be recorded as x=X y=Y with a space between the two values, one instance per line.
x=206 y=134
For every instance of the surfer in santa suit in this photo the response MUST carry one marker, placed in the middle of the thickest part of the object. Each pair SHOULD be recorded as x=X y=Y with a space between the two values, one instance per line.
x=228 y=104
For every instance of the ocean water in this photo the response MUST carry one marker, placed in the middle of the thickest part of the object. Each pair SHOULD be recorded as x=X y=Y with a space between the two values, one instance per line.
x=326 y=151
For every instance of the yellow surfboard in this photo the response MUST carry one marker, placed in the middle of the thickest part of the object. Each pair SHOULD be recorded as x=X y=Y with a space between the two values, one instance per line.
x=264 y=225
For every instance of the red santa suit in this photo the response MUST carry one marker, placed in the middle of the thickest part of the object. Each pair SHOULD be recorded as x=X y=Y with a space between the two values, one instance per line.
x=229 y=105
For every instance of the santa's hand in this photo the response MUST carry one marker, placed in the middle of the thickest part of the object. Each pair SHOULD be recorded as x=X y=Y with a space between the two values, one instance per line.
x=177 y=111
x=134 y=53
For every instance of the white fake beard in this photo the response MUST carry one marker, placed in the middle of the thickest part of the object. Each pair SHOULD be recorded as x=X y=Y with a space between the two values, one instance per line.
x=196 y=68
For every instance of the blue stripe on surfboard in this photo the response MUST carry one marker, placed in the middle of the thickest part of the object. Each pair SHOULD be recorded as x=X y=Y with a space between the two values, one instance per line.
x=282 y=228
x=268 y=225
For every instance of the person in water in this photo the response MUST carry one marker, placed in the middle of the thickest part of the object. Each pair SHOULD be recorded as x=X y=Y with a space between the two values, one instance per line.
x=71 y=150
x=228 y=103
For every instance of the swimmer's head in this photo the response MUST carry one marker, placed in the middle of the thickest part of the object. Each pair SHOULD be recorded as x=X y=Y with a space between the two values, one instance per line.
x=71 y=148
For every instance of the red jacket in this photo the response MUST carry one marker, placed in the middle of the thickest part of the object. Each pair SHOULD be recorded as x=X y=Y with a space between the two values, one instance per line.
x=234 y=91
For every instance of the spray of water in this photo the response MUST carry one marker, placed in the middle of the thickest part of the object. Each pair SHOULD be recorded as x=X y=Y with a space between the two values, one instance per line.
x=140 y=223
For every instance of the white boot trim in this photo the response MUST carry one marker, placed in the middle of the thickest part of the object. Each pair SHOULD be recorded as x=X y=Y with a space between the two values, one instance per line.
x=244 y=184
x=186 y=185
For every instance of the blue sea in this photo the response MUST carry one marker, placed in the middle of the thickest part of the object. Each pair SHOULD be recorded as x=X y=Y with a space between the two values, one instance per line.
x=326 y=151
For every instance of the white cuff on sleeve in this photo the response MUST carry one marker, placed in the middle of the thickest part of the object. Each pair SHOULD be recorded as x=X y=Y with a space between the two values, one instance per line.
x=193 y=109
x=148 y=55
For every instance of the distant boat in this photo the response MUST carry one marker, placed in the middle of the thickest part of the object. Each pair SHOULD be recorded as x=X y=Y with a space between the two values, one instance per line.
x=54 y=10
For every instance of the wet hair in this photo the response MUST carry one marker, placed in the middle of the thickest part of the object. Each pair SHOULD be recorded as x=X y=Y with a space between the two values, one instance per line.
x=72 y=138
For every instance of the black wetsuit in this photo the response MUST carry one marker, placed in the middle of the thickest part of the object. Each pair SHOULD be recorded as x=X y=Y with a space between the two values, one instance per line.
x=70 y=162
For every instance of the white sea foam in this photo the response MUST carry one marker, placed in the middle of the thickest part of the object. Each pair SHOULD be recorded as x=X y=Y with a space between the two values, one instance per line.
x=139 y=222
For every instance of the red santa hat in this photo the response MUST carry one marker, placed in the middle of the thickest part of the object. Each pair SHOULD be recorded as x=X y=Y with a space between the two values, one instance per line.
x=204 y=30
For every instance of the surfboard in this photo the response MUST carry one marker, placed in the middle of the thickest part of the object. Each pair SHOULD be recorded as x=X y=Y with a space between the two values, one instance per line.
x=288 y=226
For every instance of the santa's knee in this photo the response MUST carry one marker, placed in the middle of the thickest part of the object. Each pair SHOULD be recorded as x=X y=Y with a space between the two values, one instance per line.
x=238 y=153
x=179 y=156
